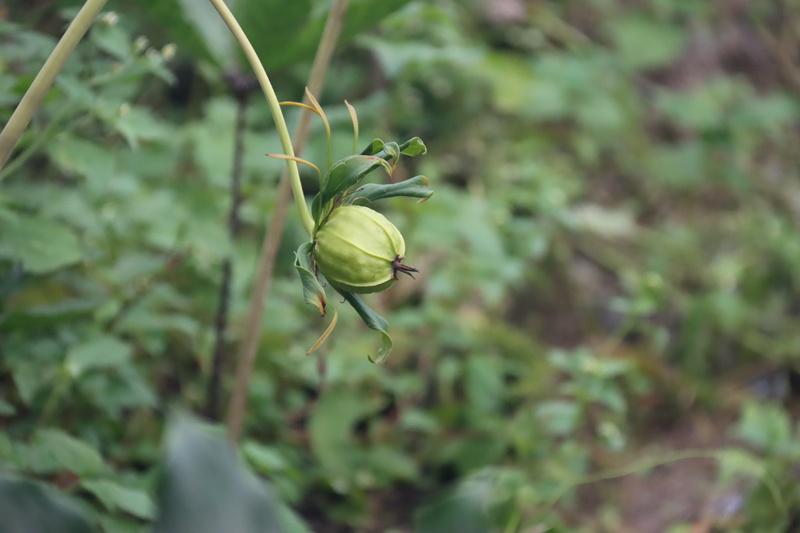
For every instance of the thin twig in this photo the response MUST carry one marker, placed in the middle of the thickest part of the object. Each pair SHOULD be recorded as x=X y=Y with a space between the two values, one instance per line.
x=271 y=242
x=44 y=79
x=234 y=225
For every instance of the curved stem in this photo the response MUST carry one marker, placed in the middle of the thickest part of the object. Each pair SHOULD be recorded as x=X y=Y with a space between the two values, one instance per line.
x=44 y=79
x=269 y=247
x=275 y=109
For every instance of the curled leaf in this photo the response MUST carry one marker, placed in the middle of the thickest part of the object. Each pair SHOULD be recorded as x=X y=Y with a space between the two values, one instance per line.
x=347 y=172
x=354 y=119
x=296 y=160
x=325 y=123
x=290 y=103
x=413 y=147
x=373 y=321
x=373 y=148
x=416 y=187
x=325 y=334
x=313 y=292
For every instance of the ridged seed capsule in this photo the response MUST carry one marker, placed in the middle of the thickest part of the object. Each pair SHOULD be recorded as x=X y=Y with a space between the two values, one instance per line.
x=359 y=250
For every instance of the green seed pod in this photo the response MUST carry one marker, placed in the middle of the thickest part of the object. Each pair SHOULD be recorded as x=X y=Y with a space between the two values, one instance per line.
x=359 y=250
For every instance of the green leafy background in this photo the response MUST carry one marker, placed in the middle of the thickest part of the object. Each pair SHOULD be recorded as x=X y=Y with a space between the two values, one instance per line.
x=604 y=335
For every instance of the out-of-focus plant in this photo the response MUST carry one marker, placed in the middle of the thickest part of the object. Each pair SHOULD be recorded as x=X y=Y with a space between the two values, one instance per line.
x=616 y=183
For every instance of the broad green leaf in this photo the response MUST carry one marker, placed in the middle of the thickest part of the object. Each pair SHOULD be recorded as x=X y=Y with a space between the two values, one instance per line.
x=313 y=292
x=117 y=497
x=766 y=426
x=286 y=32
x=461 y=510
x=390 y=462
x=736 y=462
x=6 y=409
x=558 y=417
x=644 y=43
x=103 y=351
x=112 y=39
x=28 y=507
x=83 y=157
x=41 y=245
x=265 y=459
x=52 y=450
x=274 y=26
x=205 y=488
x=483 y=382
x=331 y=432
x=374 y=321
x=47 y=315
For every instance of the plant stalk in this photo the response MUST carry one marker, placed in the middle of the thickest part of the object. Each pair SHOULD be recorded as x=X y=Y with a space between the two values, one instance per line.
x=218 y=359
x=30 y=102
x=272 y=239
x=275 y=109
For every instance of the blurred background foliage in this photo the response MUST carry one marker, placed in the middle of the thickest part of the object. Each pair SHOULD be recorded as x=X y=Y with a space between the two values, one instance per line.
x=605 y=335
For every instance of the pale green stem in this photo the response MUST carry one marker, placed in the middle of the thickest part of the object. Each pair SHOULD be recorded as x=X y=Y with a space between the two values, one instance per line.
x=275 y=109
x=44 y=79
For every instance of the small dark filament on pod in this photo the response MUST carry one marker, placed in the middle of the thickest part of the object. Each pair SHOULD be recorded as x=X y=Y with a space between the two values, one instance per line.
x=398 y=266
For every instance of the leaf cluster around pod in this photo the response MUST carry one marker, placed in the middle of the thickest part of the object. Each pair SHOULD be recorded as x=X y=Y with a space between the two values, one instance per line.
x=341 y=200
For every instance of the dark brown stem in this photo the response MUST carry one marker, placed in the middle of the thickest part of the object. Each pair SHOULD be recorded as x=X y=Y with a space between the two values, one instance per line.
x=212 y=408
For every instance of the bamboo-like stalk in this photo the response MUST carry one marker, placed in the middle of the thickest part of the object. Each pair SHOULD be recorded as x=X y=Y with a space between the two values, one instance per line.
x=272 y=239
x=274 y=107
x=30 y=102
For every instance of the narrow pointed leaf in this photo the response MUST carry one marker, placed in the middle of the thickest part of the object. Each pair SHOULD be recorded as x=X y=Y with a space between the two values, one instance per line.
x=313 y=292
x=354 y=119
x=325 y=334
x=374 y=321
x=416 y=187
x=291 y=103
x=296 y=160
x=325 y=123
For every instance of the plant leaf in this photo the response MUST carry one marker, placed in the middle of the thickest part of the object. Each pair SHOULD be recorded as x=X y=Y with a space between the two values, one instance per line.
x=42 y=245
x=28 y=506
x=296 y=159
x=374 y=147
x=374 y=321
x=413 y=147
x=344 y=174
x=114 y=496
x=325 y=123
x=313 y=292
x=293 y=36
x=102 y=351
x=348 y=172
x=354 y=119
x=205 y=489
x=325 y=334
x=416 y=187
x=53 y=450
